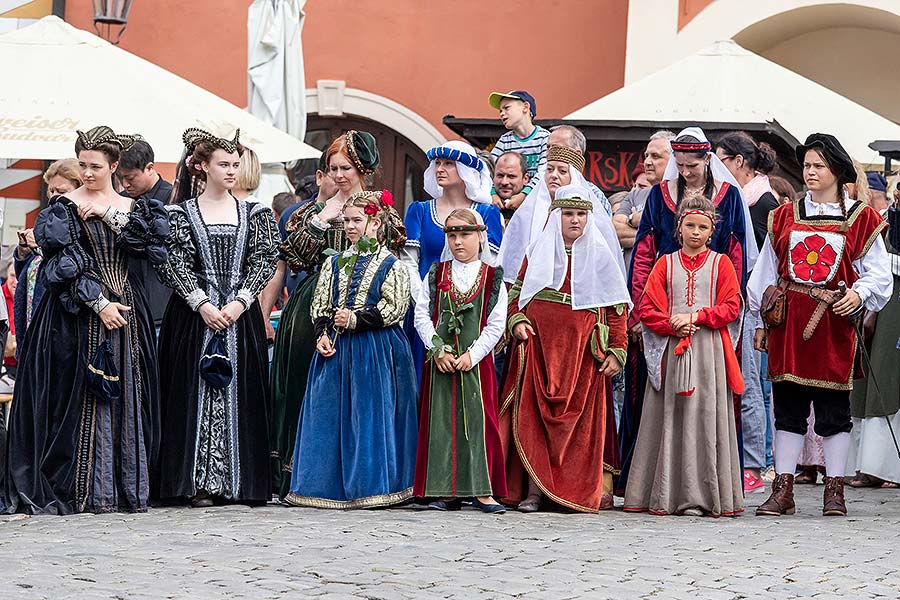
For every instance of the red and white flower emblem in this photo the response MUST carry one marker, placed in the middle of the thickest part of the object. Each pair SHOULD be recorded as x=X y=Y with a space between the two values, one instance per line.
x=813 y=259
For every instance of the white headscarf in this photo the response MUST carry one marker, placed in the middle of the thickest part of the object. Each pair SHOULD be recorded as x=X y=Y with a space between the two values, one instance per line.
x=597 y=273
x=485 y=255
x=720 y=173
x=471 y=169
x=528 y=222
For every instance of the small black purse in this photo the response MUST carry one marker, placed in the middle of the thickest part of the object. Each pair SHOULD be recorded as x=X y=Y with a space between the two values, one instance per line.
x=215 y=367
x=102 y=375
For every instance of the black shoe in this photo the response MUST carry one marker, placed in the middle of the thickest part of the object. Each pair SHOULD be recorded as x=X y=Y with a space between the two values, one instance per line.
x=454 y=504
x=201 y=500
x=497 y=509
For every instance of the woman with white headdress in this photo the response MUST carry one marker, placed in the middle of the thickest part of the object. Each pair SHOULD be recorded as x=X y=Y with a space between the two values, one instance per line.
x=693 y=171
x=564 y=167
x=460 y=315
x=568 y=309
x=456 y=178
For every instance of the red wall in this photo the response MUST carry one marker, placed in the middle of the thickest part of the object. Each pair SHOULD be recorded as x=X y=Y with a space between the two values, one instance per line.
x=436 y=58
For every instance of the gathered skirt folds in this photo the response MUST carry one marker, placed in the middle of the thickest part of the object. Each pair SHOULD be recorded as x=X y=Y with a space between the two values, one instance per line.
x=356 y=436
x=70 y=451
x=213 y=442
x=295 y=343
x=872 y=451
x=686 y=454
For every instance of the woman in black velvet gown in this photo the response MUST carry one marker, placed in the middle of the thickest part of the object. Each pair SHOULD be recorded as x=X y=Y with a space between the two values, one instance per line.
x=222 y=253
x=72 y=449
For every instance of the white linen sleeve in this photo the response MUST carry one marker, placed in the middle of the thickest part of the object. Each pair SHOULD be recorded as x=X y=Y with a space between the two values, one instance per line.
x=875 y=282
x=490 y=335
x=764 y=274
x=421 y=318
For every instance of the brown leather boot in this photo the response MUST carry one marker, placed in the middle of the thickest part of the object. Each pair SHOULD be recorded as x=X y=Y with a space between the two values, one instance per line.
x=834 y=505
x=781 y=502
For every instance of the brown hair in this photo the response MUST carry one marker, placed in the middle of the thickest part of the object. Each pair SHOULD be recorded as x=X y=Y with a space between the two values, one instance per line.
x=112 y=151
x=66 y=168
x=782 y=188
x=463 y=214
x=203 y=152
x=696 y=203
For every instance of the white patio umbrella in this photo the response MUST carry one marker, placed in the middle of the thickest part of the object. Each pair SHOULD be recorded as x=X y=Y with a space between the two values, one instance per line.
x=275 y=78
x=726 y=83
x=39 y=113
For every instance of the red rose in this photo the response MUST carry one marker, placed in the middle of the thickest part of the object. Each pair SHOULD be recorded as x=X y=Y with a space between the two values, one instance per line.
x=812 y=259
x=386 y=198
x=444 y=285
x=371 y=210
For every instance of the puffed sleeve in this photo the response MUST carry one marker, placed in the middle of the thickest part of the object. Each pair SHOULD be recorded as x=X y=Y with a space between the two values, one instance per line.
x=68 y=266
x=306 y=240
x=143 y=231
x=394 y=301
x=178 y=272
x=411 y=253
x=262 y=256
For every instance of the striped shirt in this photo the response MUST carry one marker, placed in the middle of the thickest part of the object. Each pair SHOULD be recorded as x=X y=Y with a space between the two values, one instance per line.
x=533 y=148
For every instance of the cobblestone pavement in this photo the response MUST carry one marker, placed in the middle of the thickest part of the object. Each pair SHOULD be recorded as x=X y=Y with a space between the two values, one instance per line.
x=274 y=552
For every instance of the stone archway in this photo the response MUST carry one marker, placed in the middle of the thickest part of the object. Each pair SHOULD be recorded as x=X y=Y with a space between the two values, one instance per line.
x=846 y=46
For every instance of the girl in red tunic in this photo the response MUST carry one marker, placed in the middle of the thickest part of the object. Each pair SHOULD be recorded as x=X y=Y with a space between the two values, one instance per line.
x=827 y=255
x=686 y=457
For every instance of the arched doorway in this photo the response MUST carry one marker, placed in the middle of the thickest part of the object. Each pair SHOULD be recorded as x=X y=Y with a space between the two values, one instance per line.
x=848 y=48
x=403 y=163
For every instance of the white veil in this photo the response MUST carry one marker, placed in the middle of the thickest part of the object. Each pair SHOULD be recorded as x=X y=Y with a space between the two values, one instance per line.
x=471 y=169
x=528 y=222
x=485 y=255
x=598 y=278
x=720 y=173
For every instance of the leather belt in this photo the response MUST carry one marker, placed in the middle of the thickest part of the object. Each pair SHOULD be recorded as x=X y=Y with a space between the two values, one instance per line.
x=824 y=299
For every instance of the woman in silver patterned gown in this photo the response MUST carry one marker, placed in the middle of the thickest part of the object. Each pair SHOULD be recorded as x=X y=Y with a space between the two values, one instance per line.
x=222 y=253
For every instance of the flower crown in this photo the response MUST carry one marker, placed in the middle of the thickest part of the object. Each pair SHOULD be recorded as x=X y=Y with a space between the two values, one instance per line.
x=384 y=198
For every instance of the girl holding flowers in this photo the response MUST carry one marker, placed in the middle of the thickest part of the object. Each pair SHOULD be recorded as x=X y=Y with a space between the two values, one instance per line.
x=460 y=315
x=356 y=435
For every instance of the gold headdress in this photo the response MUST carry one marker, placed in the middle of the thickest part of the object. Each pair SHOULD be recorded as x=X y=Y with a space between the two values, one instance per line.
x=575 y=203
x=194 y=135
x=102 y=134
x=566 y=155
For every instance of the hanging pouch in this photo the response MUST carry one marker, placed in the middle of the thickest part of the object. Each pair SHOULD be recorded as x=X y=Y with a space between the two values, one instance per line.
x=102 y=375
x=215 y=367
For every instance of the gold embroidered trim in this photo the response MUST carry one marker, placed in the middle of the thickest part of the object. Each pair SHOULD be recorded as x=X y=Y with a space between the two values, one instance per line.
x=819 y=383
x=852 y=214
x=97 y=371
x=367 y=502
x=514 y=394
x=533 y=475
x=566 y=155
x=574 y=203
x=878 y=229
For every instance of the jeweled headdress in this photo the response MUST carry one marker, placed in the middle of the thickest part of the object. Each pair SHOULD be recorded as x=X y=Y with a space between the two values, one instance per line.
x=566 y=155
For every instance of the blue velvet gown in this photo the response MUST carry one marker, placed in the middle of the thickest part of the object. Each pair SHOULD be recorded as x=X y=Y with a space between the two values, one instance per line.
x=356 y=436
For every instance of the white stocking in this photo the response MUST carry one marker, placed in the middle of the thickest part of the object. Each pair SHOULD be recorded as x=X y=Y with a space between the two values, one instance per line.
x=787 y=451
x=837 y=447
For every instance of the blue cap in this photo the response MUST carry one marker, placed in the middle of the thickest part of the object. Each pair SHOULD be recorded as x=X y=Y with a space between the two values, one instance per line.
x=497 y=97
x=877 y=182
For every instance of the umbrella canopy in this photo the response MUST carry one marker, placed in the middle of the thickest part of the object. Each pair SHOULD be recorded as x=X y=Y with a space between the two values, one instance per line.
x=39 y=113
x=726 y=83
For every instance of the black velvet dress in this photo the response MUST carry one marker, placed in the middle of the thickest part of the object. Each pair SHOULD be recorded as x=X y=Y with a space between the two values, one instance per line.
x=215 y=440
x=69 y=450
